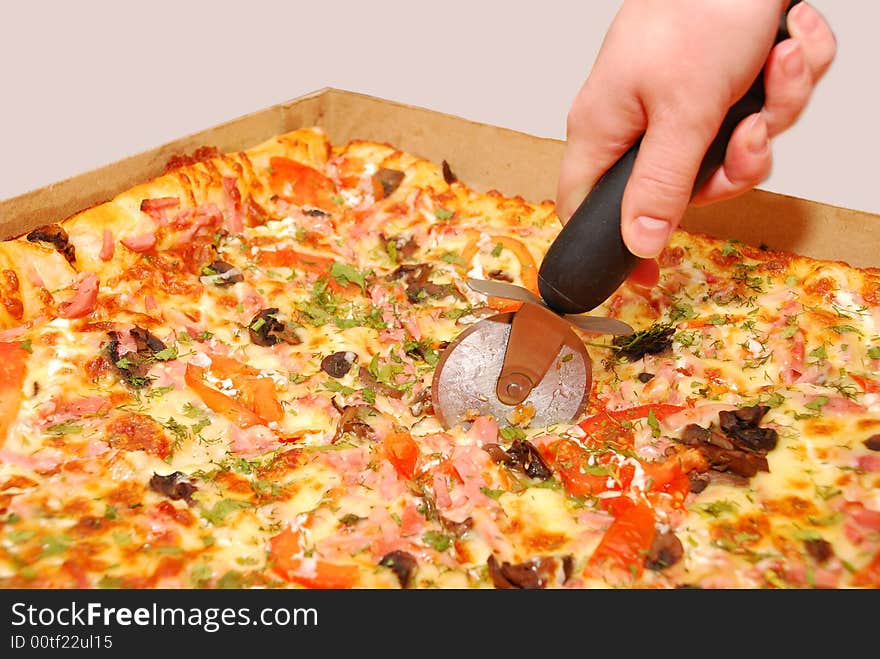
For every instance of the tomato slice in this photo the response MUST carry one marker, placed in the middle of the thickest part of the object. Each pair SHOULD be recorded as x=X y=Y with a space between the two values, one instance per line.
x=13 y=367
x=300 y=184
x=627 y=540
x=285 y=551
x=402 y=452
x=219 y=402
x=583 y=473
x=260 y=396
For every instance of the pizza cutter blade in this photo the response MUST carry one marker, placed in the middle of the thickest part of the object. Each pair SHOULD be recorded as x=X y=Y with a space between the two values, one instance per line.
x=471 y=373
x=526 y=368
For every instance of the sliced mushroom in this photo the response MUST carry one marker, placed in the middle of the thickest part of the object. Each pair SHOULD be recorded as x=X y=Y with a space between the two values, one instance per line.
x=175 y=486
x=403 y=564
x=56 y=236
x=338 y=364
x=353 y=420
x=418 y=285
x=448 y=175
x=422 y=404
x=819 y=549
x=133 y=366
x=532 y=574
x=266 y=329
x=872 y=443
x=406 y=247
x=526 y=457
x=221 y=273
x=390 y=179
x=499 y=275
x=665 y=551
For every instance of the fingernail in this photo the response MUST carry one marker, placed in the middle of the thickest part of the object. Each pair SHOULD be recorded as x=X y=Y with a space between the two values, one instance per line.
x=792 y=59
x=649 y=237
x=757 y=139
x=805 y=17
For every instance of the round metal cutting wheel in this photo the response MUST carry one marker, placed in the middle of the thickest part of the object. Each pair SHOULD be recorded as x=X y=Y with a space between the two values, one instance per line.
x=467 y=373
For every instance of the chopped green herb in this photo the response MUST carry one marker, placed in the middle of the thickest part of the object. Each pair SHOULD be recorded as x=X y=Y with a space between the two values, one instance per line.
x=218 y=513
x=26 y=345
x=344 y=273
x=492 y=494
x=451 y=257
x=843 y=329
x=512 y=432
x=791 y=280
x=817 y=403
x=874 y=352
x=167 y=354
x=443 y=214
x=653 y=424
x=496 y=251
x=437 y=540
x=66 y=428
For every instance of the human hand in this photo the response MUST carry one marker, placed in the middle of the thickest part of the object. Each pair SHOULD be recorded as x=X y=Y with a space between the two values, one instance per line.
x=670 y=69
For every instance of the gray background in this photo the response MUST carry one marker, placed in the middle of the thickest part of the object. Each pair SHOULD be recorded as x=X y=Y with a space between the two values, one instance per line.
x=88 y=82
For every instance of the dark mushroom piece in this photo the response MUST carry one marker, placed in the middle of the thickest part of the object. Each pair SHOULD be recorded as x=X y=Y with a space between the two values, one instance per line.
x=666 y=550
x=352 y=420
x=644 y=378
x=132 y=367
x=266 y=329
x=221 y=274
x=403 y=564
x=532 y=574
x=405 y=247
x=418 y=285
x=448 y=175
x=872 y=443
x=522 y=455
x=819 y=549
x=390 y=179
x=175 y=486
x=499 y=275
x=56 y=236
x=423 y=404
x=338 y=364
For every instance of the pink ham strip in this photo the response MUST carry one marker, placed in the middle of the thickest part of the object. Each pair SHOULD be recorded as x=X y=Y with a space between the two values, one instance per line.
x=140 y=243
x=108 y=246
x=83 y=301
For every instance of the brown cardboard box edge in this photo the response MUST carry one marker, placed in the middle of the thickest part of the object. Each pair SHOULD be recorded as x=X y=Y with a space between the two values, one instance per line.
x=483 y=156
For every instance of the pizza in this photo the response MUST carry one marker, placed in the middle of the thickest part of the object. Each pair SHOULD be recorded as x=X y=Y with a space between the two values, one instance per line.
x=221 y=378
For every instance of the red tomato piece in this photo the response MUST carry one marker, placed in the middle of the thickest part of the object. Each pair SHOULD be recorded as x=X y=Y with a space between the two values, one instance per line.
x=300 y=184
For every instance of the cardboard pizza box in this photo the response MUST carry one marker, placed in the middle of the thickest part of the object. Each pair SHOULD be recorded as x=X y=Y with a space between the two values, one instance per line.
x=482 y=156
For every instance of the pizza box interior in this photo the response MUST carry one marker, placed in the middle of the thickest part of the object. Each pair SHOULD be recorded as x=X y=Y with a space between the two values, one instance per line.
x=482 y=156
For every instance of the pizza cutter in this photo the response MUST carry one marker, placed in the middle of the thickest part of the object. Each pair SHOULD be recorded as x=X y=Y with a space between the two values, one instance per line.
x=526 y=368
x=529 y=367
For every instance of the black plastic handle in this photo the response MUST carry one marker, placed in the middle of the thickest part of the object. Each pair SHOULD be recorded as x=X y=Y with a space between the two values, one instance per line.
x=588 y=260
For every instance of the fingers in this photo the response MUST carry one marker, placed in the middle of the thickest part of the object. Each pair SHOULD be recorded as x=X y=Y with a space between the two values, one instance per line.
x=747 y=162
x=601 y=127
x=809 y=27
x=792 y=71
x=662 y=179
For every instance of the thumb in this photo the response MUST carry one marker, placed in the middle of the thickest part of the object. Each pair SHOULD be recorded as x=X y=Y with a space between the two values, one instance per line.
x=662 y=180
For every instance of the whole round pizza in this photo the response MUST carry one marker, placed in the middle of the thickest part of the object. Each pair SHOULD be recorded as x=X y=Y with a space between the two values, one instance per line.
x=222 y=378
